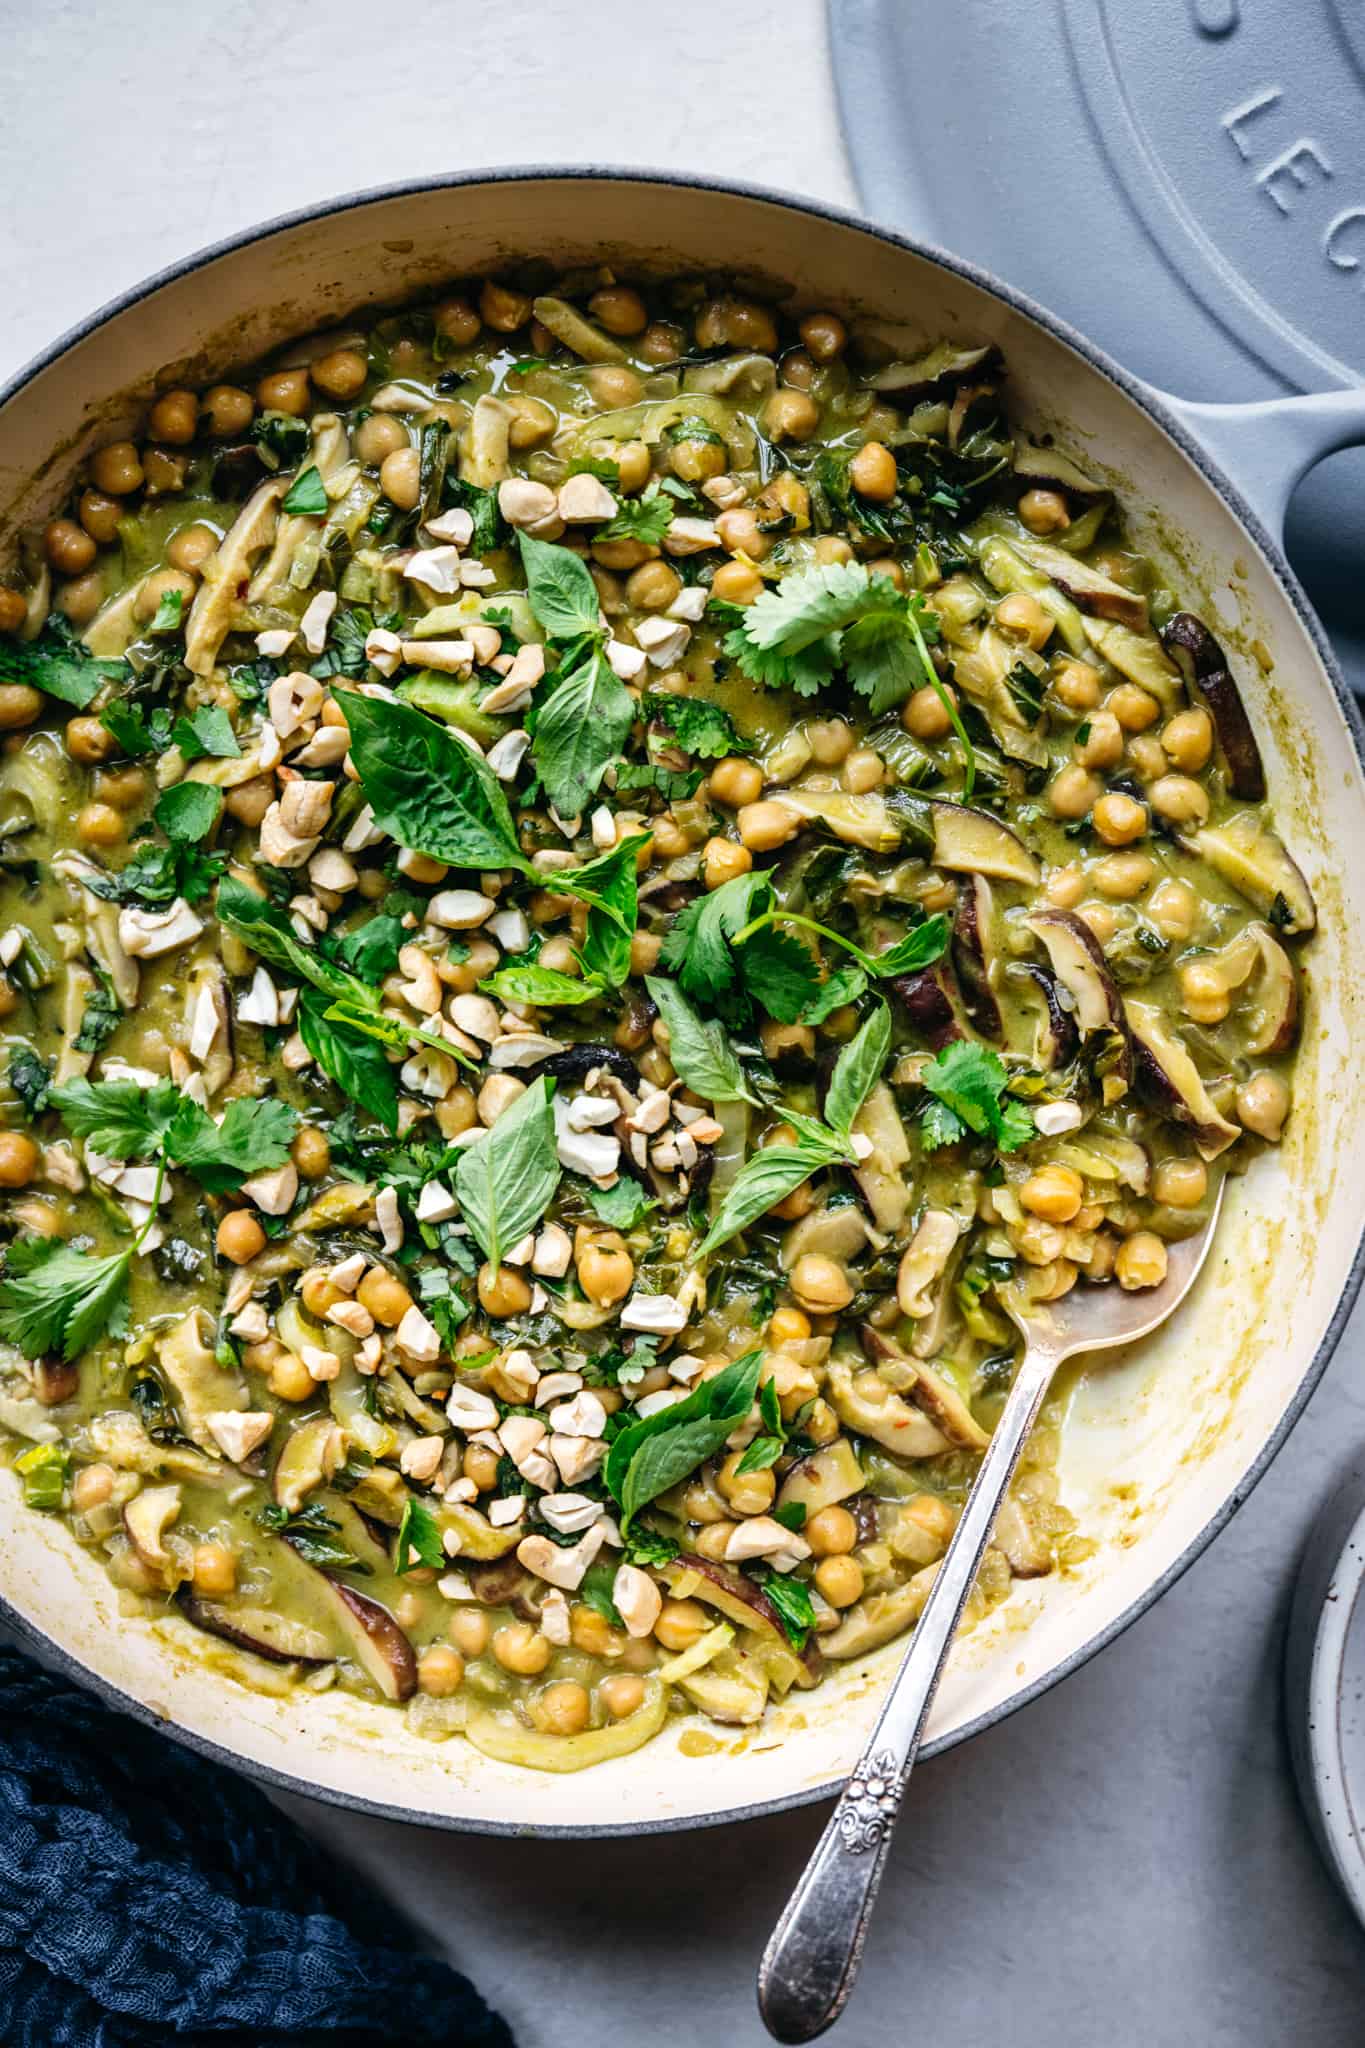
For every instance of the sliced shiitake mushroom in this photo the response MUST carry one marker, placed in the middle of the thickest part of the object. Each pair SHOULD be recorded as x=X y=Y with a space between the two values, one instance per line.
x=972 y=841
x=1204 y=666
x=1042 y=468
x=825 y=1477
x=146 y=1518
x=974 y=956
x=1168 y=1080
x=738 y=1598
x=1080 y=967
x=1055 y=1037
x=946 y=362
x=1090 y=591
x=262 y=1630
x=1254 y=859
x=928 y=1006
x=374 y=1638
x=310 y=1457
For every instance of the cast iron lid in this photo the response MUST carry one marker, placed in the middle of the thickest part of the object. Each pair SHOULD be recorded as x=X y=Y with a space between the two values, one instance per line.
x=1182 y=179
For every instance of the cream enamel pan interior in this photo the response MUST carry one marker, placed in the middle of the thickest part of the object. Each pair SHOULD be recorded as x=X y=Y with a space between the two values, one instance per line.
x=1161 y=1446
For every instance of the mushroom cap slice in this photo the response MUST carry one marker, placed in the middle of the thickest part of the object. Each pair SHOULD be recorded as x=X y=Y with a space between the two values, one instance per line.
x=1080 y=967
x=928 y=1006
x=973 y=842
x=1168 y=1080
x=738 y=1598
x=1256 y=862
x=1202 y=662
x=146 y=1518
x=375 y=1639
x=263 y=1630
x=974 y=957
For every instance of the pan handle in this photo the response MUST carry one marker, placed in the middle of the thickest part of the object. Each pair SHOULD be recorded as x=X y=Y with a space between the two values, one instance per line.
x=1267 y=445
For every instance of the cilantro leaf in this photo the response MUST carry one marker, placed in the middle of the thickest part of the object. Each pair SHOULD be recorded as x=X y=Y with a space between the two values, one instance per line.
x=780 y=974
x=157 y=875
x=54 y=1298
x=697 y=726
x=207 y=731
x=166 y=618
x=697 y=946
x=307 y=493
x=881 y=659
x=419 y=1539
x=646 y=519
x=58 y=662
x=788 y=634
x=372 y=949
x=562 y=594
x=253 y=1136
x=188 y=812
x=505 y=1182
x=31 y=1079
x=136 y=735
x=967 y=1082
x=581 y=728
x=654 y=1452
x=118 y=1119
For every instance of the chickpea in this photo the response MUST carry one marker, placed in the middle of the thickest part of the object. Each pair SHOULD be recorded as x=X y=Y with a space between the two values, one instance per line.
x=839 y=1580
x=214 y=1569
x=88 y=741
x=619 y=310
x=1076 y=685
x=469 y=1630
x=285 y=391
x=831 y=741
x=162 y=583
x=521 y=1649
x=341 y=374
x=240 y=1236
x=456 y=322
x=765 y=826
x=790 y=415
x=116 y=470
x=1202 y=992
x=591 y=1632
x=250 y=801
x=1146 y=757
x=735 y=783
x=18 y=1159
x=1123 y=875
x=738 y=324
x=289 y=1378
x=311 y=1152
x=662 y=342
x=503 y=309
x=749 y=1493
x=622 y=1694
x=227 y=409
x=319 y=1292
x=440 y=1671
x=872 y=472
x=615 y=384
x=9 y=997
x=681 y=1623
x=99 y=515
x=1140 y=1261
x=1134 y=709
x=831 y=547
x=1174 y=910
x=1263 y=1105
x=562 y=1709
x=164 y=471
x=723 y=860
x=820 y=1284
x=1188 y=740
x=379 y=436
x=823 y=335
x=925 y=715
x=400 y=478
x=1102 y=746
x=1044 y=512
x=174 y=418
x=1179 y=799
x=831 y=1532
x=1119 y=819
x=605 y=1268
x=191 y=547
x=1180 y=1183
x=91 y=1487
x=696 y=462
x=387 y=1299
x=1073 y=791
x=100 y=825
x=532 y=422
x=503 y=1291
x=741 y=533
x=1037 y=1241
x=736 y=583
x=864 y=770
x=1022 y=615
x=1101 y=921
x=68 y=547
x=653 y=586
x=81 y=598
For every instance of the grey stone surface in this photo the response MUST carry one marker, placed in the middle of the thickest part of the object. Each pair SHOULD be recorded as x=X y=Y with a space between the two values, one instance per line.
x=1124 y=1862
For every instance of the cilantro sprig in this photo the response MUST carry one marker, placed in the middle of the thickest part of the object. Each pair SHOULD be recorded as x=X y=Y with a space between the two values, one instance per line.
x=967 y=1083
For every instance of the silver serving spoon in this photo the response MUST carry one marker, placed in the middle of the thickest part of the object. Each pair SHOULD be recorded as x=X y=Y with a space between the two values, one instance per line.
x=809 y=1966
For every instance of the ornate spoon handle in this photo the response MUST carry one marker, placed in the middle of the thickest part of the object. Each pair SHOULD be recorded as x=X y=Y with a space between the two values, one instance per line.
x=810 y=1963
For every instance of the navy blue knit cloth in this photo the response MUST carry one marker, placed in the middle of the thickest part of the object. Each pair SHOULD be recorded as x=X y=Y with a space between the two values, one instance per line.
x=147 y=1898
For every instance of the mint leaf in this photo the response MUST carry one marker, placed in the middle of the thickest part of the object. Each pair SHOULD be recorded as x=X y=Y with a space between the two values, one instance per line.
x=581 y=729
x=505 y=1182
x=427 y=789
x=307 y=493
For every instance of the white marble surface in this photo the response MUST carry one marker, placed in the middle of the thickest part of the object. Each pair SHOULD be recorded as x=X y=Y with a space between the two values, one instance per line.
x=1124 y=1862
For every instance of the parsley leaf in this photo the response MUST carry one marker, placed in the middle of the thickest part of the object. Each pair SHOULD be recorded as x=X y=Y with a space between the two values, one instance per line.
x=505 y=1182
x=54 y=1298
x=58 y=662
x=654 y=1452
x=967 y=1083
x=307 y=493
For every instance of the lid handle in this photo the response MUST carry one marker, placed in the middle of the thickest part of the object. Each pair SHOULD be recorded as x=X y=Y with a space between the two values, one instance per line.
x=1267 y=445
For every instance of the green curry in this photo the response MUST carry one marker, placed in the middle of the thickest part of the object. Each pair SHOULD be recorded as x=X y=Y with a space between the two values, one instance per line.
x=591 y=882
